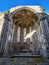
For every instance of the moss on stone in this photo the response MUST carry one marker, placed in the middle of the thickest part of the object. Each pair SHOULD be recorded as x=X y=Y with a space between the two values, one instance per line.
x=12 y=59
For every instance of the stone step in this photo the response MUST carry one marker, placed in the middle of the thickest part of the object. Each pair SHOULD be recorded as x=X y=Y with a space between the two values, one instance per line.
x=26 y=55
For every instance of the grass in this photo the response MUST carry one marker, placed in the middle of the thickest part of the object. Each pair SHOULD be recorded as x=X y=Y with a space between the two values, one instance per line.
x=39 y=60
x=12 y=59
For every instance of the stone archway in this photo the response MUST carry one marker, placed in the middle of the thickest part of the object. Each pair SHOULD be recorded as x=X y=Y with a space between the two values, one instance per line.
x=23 y=19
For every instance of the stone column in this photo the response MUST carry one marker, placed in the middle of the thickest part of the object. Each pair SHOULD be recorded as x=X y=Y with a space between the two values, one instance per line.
x=31 y=42
x=44 y=29
x=21 y=35
x=4 y=34
x=35 y=39
x=7 y=40
x=13 y=29
x=15 y=35
x=38 y=39
x=28 y=39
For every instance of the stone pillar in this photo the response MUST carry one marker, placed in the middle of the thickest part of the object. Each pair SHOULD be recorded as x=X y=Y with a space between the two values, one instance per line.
x=28 y=39
x=44 y=29
x=4 y=34
x=31 y=42
x=21 y=35
x=15 y=35
x=13 y=29
x=35 y=38
x=2 y=21
x=38 y=38
x=8 y=40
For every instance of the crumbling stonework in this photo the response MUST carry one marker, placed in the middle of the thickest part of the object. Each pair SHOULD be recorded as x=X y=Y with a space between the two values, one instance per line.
x=17 y=19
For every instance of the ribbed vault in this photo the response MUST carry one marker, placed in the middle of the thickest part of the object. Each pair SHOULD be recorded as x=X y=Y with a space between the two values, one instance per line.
x=25 y=17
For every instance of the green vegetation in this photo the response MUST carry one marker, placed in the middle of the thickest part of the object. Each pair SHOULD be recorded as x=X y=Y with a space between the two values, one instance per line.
x=12 y=59
x=31 y=61
x=39 y=60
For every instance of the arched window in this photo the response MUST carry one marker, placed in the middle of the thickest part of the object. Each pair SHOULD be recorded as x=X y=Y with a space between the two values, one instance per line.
x=24 y=34
x=31 y=39
x=18 y=34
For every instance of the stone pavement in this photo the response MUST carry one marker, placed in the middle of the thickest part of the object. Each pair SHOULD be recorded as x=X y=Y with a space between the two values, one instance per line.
x=20 y=61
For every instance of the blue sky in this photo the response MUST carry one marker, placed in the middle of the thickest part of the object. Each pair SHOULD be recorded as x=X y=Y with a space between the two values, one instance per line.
x=7 y=4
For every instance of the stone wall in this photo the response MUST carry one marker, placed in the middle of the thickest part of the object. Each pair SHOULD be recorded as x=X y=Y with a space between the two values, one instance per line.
x=7 y=28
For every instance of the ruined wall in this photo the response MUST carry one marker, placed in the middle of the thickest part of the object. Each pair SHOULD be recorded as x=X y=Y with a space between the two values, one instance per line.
x=7 y=27
x=1 y=22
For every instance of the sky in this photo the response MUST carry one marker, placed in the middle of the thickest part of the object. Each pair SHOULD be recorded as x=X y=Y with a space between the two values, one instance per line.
x=7 y=4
